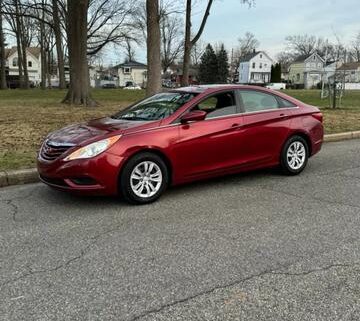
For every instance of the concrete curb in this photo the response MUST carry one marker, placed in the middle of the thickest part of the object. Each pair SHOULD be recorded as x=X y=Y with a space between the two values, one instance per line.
x=18 y=177
x=26 y=176
x=342 y=136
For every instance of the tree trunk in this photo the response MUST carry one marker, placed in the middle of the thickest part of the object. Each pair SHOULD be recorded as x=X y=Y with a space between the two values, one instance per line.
x=19 y=45
x=3 y=84
x=48 y=69
x=59 y=48
x=79 y=90
x=24 y=62
x=43 y=55
x=153 y=47
x=187 y=45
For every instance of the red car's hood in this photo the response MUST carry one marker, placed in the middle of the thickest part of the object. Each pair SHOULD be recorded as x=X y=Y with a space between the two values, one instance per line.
x=78 y=133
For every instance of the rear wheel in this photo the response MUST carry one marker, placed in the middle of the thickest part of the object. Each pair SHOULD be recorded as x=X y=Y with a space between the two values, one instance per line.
x=144 y=178
x=294 y=156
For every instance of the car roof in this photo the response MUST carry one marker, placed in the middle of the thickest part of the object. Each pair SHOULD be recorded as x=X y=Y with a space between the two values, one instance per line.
x=214 y=87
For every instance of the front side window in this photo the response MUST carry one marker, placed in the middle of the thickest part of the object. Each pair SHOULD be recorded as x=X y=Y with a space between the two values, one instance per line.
x=127 y=70
x=156 y=107
x=219 y=105
x=253 y=65
x=15 y=62
x=254 y=101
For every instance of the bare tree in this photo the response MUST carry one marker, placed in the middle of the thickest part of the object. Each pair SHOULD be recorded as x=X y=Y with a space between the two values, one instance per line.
x=77 y=33
x=129 y=49
x=190 y=42
x=171 y=40
x=58 y=41
x=302 y=44
x=247 y=44
x=197 y=51
x=285 y=59
x=153 y=47
x=109 y=23
x=13 y=18
x=355 y=50
x=2 y=53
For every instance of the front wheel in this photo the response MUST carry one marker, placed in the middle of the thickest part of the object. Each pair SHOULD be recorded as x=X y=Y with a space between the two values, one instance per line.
x=144 y=178
x=294 y=156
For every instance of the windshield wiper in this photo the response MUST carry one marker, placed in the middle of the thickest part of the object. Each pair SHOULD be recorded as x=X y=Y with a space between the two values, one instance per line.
x=132 y=118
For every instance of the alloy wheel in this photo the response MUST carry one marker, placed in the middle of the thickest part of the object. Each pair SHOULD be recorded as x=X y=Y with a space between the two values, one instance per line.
x=296 y=155
x=146 y=179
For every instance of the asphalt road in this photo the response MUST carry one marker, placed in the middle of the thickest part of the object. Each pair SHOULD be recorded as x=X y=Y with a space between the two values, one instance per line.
x=257 y=246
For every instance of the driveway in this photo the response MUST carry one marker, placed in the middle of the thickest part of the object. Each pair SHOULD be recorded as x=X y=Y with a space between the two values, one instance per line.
x=257 y=246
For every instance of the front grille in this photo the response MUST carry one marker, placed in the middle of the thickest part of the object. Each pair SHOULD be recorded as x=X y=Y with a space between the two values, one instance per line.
x=51 y=151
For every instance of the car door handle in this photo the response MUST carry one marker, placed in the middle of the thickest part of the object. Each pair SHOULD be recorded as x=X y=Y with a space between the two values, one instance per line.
x=284 y=116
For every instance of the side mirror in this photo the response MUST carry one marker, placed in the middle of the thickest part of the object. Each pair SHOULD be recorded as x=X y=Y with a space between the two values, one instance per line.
x=195 y=115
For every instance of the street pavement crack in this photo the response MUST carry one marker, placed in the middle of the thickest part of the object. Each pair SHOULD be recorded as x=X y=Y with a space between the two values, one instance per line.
x=237 y=282
x=14 y=208
x=318 y=199
x=82 y=253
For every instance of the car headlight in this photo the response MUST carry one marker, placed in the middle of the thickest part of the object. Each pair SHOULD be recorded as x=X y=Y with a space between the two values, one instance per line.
x=93 y=149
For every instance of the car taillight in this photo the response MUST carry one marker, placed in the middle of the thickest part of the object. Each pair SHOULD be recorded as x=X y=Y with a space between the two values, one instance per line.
x=318 y=116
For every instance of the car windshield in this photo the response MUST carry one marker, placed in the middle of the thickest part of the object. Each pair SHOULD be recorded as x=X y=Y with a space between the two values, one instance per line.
x=155 y=107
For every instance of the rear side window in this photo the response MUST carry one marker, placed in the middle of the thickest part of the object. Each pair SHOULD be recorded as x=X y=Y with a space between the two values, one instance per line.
x=254 y=101
x=285 y=103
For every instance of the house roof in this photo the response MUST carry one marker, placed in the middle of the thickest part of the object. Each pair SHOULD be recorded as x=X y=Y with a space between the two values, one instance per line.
x=302 y=58
x=249 y=56
x=35 y=51
x=131 y=64
x=253 y=54
x=350 y=66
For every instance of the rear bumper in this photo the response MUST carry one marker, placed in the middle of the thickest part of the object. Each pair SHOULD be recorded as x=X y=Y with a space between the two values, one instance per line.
x=96 y=176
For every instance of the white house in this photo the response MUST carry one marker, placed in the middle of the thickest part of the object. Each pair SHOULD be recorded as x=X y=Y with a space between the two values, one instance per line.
x=255 y=68
x=132 y=71
x=33 y=56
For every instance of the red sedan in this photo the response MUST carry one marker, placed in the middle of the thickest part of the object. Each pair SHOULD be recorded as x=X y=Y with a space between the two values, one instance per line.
x=180 y=136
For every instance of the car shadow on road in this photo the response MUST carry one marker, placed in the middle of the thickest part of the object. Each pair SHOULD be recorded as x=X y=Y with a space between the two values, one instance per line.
x=242 y=179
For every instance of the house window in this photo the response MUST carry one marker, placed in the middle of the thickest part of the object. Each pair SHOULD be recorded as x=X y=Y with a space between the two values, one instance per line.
x=127 y=70
x=30 y=64
x=260 y=65
x=15 y=62
x=253 y=65
x=260 y=56
x=297 y=77
x=314 y=58
x=319 y=65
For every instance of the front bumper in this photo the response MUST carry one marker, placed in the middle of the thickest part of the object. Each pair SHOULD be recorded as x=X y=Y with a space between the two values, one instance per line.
x=98 y=175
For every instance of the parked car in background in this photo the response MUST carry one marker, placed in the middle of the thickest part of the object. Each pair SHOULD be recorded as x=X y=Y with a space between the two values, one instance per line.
x=180 y=136
x=131 y=86
x=108 y=86
x=276 y=86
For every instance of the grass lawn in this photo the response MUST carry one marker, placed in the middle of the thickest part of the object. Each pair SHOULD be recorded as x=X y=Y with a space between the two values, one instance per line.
x=27 y=116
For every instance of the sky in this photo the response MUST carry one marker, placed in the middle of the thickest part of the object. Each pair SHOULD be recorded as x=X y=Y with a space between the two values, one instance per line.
x=272 y=20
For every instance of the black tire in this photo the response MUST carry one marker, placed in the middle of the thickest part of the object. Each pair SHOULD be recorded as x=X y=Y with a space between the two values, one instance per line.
x=285 y=161
x=125 y=188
